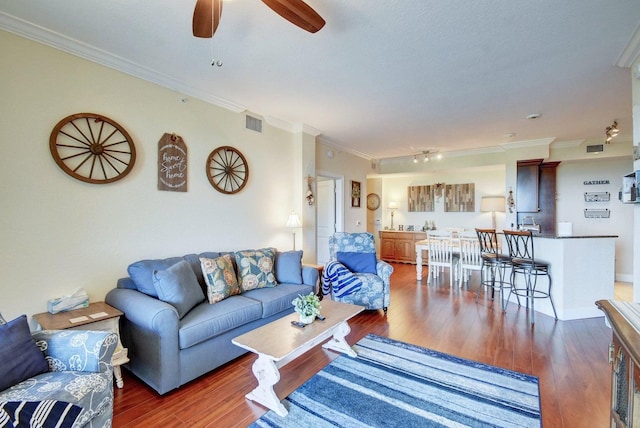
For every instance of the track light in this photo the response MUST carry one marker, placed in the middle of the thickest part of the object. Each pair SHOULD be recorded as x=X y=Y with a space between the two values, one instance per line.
x=426 y=156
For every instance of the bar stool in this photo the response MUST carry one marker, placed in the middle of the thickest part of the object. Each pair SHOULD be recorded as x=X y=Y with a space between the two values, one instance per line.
x=524 y=263
x=494 y=265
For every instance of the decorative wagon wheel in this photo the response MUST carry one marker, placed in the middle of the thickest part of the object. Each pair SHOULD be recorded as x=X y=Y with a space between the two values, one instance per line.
x=227 y=170
x=92 y=148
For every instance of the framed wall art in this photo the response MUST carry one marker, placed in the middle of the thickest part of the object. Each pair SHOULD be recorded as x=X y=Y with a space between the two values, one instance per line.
x=355 y=194
x=459 y=198
x=420 y=198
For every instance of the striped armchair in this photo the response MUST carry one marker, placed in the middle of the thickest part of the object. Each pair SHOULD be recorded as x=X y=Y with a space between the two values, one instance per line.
x=371 y=290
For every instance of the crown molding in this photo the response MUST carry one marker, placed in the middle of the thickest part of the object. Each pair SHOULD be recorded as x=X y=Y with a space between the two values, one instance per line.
x=328 y=142
x=528 y=143
x=567 y=144
x=279 y=123
x=308 y=129
x=631 y=51
x=83 y=50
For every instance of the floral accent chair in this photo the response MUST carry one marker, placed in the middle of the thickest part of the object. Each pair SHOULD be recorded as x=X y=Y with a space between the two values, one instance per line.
x=80 y=373
x=357 y=253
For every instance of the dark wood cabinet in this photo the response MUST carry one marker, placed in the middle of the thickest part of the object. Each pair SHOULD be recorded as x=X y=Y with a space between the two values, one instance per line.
x=536 y=194
x=528 y=180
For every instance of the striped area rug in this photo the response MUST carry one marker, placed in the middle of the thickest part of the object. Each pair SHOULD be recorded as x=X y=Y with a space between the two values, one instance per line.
x=392 y=383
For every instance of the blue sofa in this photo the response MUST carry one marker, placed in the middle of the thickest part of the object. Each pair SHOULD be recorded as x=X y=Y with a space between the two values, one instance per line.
x=79 y=372
x=170 y=345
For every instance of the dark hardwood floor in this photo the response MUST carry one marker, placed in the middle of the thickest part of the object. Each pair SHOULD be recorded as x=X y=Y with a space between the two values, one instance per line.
x=569 y=358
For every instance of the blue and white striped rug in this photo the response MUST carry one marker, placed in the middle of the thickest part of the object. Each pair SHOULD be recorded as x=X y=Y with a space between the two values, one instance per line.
x=392 y=383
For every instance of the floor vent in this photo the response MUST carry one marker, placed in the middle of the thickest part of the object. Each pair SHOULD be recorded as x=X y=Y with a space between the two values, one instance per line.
x=595 y=148
x=254 y=124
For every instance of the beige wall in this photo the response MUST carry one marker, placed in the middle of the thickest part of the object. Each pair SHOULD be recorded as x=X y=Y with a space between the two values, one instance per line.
x=58 y=234
x=350 y=168
x=487 y=180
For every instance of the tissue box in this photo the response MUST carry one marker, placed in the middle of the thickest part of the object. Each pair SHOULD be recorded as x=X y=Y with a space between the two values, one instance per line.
x=79 y=299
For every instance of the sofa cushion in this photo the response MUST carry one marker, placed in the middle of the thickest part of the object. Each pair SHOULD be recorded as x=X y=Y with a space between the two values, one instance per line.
x=142 y=273
x=178 y=286
x=357 y=262
x=277 y=299
x=255 y=268
x=20 y=358
x=206 y=321
x=289 y=267
x=220 y=278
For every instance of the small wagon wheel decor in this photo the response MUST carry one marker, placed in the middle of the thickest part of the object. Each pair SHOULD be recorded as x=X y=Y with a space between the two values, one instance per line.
x=92 y=148
x=227 y=170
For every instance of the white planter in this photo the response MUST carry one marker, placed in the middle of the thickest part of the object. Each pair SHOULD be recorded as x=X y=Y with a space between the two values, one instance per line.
x=307 y=320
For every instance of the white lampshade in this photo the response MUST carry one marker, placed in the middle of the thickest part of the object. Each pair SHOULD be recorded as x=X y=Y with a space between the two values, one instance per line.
x=393 y=206
x=492 y=204
x=293 y=220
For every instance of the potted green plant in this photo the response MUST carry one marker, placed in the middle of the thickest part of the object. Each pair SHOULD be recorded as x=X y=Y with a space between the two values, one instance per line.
x=308 y=307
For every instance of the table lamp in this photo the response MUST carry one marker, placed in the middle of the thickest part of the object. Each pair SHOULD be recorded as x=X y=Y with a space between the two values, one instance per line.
x=392 y=206
x=293 y=223
x=492 y=204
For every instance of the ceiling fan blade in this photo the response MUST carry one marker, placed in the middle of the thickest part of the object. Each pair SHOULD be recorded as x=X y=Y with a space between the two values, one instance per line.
x=298 y=13
x=206 y=17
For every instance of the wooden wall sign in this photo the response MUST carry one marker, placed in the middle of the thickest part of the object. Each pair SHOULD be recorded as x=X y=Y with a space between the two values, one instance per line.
x=459 y=198
x=420 y=198
x=172 y=163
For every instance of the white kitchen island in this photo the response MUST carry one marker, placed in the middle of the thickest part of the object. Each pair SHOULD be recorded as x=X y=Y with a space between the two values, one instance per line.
x=582 y=270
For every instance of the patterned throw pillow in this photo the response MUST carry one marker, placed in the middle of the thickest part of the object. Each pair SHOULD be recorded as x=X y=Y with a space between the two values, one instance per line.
x=220 y=278
x=255 y=268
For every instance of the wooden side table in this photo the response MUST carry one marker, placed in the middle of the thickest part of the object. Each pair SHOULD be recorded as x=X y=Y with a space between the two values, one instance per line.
x=320 y=268
x=97 y=316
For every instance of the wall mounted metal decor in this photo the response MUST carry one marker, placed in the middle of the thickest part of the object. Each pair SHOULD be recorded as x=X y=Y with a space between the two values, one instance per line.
x=172 y=163
x=92 y=148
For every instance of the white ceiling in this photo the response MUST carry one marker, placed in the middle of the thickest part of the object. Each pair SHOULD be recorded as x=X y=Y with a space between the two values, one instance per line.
x=383 y=78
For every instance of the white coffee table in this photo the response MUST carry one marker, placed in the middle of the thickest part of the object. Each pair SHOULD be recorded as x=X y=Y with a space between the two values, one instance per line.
x=279 y=343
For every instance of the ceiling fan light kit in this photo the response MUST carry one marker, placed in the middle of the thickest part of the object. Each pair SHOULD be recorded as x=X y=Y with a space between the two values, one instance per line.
x=207 y=14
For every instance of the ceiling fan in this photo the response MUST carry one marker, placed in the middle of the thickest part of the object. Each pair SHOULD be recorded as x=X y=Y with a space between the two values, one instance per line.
x=206 y=16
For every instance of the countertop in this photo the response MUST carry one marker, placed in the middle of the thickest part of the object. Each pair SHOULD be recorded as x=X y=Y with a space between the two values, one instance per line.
x=574 y=236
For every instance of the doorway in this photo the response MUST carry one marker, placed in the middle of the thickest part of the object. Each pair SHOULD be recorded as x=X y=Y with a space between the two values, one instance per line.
x=330 y=213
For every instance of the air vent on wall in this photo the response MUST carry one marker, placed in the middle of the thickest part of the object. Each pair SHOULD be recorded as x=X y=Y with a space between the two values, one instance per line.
x=254 y=124
x=595 y=148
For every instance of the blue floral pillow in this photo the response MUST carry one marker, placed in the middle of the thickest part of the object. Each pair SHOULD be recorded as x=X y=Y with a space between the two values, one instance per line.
x=255 y=268
x=220 y=278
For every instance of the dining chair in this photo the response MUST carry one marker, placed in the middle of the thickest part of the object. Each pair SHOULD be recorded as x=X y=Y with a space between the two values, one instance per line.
x=440 y=246
x=470 y=255
x=524 y=263
x=493 y=273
